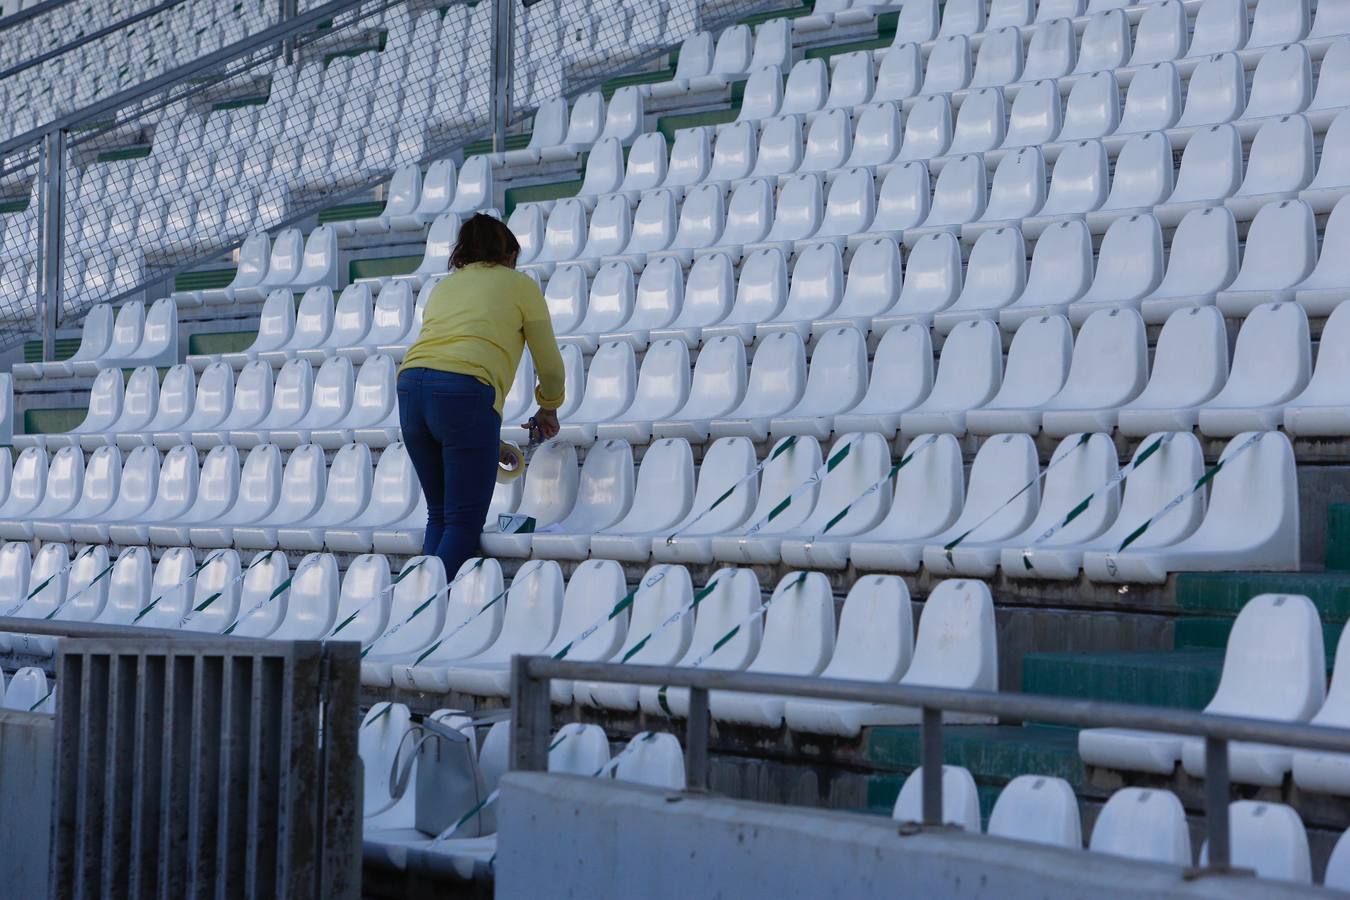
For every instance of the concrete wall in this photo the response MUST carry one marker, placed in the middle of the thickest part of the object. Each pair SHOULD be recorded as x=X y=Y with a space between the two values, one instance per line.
x=27 y=745
x=565 y=837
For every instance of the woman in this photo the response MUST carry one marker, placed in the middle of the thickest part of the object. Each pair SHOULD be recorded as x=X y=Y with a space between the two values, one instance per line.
x=456 y=375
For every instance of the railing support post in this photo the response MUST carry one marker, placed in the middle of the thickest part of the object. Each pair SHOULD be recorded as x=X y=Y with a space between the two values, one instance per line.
x=503 y=27
x=289 y=10
x=930 y=758
x=51 y=210
x=531 y=718
x=696 y=741
x=1216 y=802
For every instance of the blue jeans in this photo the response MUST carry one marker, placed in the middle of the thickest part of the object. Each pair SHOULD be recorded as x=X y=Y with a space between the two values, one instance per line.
x=452 y=434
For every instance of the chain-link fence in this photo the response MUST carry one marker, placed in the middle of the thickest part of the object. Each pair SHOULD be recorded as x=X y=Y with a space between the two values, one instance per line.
x=321 y=107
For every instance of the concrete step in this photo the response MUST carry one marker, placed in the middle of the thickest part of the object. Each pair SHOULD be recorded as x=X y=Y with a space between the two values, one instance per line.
x=1225 y=593
x=1185 y=678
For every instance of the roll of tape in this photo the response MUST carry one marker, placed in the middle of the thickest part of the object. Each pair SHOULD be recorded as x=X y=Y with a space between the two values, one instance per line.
x=510 y=464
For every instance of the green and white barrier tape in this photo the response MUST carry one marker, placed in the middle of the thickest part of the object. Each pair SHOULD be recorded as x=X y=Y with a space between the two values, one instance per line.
x=1176 y=501
x=13 y=610
x=483 y=804
x=811 y=481
x=1082 y=505
x=70 y=598
x=956 y=542
x=389 y=589
x=721 y=642
x=43 y=699
x=670 y=620
x=617 y=609
x=788 y=444
x=491 y=602
x=914 y=450
x=205 y=604
x=145 y=610
x=305 y=565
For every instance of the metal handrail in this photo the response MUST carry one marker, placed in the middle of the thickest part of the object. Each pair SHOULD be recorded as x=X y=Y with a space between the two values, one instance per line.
x=531 y=677
x=111 y=28
x=32 y=12
x=93 y=112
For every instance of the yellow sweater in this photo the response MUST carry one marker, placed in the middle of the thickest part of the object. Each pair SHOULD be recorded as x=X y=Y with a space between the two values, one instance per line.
x=478 y=321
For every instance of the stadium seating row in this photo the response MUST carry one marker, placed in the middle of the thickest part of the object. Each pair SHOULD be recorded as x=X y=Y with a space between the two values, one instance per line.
x=798 y=506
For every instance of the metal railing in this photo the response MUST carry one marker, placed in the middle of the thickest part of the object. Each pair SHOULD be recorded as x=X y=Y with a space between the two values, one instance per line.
x=193 y=765
x=51 y=269
x=531 y=677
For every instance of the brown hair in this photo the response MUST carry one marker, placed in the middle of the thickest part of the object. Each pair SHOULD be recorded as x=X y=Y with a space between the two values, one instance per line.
x=485 y=239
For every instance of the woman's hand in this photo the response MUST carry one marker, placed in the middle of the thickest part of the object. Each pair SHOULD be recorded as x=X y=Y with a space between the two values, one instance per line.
x=546 y=421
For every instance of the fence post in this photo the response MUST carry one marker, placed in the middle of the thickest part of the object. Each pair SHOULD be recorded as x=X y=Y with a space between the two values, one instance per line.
x=51 y=208
x=532 y=718
x=503 y=26
x=1216 y=802
x=289 y=10
x=930 y=759
x=696 y=740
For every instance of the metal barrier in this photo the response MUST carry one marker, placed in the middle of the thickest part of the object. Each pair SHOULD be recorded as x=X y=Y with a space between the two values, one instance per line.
x=194 y=765
x=63 y=252
x=531 y=677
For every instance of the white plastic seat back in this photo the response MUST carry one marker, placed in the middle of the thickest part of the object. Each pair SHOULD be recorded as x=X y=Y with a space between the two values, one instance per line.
x=1080 y=180
x=874 y=279
x=604 y=488
x=1282 y=84
x=876 y=140
x=724 y=468
x=1038 y=362
x=996 y=273
x=1035 y=116
x=816 y=286
x=28 y=691
x=565 y=296
x=659 y=297
x=798 y=636
x=928 y=129
x=690 y=157
x=1272 y=360
x=1052 y=50
x=901 y=377
x=761 y=291
x=1274 y=666
x=956 y=645
x=999 y=61
x=949 y=67
x=1202 y=260
x=790 y=466
x=311 y=602
x=1018 y=188
x=1268 y=838
x=780 y=147
x=900 y=74
x=579 y=750
x=262 y=595
x=1153 y=101
x=610 y=384
x=171 y=590
x=663 y=382
x=970 y=368
x=1143 y=823
x=646 y=163
x=876 y=631
x=550 y=483
x=656 y=760
x=960 y=799
x=533 y=607
x=1093 y=108
x=611 y=299
x=1060 y=272
x=960 y=192
x=904 y=199
x=1038 y=808
x=653 y=222
x=1143 y=175
x=777 y=376
x=709 y=292
x=1216 y=92
x=1105 y=43
x=734 y=155
x=982 y=123
x=702 y=217
x=381 y=746
x=1190 y=366
x=932 y=275
x=363 y=607
x=850 y=206
x=610 y=228
x=763 y=94
x=592 y=592
x=1161 y=35
x=128 y=586
x=1281 y=158
x=734 y=594
x=65 y=477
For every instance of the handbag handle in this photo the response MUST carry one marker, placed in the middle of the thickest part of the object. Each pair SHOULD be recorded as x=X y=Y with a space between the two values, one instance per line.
x=430 y=728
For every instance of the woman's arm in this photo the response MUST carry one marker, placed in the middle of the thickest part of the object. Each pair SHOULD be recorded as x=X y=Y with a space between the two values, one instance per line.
x=548 y=364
